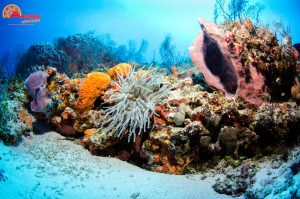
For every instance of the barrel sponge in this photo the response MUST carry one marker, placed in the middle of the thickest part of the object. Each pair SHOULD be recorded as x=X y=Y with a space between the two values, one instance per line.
x=91 y=88
x=122 y=69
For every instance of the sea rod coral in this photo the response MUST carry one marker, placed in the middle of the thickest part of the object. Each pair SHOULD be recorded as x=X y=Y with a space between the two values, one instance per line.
x=134 y=103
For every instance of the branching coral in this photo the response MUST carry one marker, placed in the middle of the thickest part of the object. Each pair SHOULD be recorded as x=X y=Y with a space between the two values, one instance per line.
x=233 y=10
x=90 y=89
x=133 y=104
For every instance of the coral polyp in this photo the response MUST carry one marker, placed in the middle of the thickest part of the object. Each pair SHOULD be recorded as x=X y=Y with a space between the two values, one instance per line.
x=133 y=103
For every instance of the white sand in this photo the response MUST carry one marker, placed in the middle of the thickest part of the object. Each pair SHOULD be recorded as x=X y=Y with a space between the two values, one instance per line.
x=47 y=166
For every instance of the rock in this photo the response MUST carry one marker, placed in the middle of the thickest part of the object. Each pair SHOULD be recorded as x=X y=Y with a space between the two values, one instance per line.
x=101 y=142
x=174 y=148
x=123 y=155
x=276 y=123
x=66 y=130
x=247 y=143
x=236 y=181
x=179 y=118
x=205 y=141
x=283 y=181
x=183 y=110
x=228 y=139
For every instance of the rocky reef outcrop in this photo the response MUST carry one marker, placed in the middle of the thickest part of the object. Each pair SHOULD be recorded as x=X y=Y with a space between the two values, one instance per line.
x=215 y=126
x=159 y=122
x=15 y=119
x=192 y=126
x=244 y=61
x=163 y=123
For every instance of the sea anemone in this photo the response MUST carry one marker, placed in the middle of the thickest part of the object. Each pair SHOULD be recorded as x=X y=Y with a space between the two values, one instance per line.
x=134 y=103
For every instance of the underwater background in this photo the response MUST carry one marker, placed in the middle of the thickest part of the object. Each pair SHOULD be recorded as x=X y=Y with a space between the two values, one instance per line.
x=127 y=20
x=150 y=99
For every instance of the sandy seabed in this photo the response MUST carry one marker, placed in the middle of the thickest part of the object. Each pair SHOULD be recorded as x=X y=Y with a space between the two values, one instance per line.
x=49 y=166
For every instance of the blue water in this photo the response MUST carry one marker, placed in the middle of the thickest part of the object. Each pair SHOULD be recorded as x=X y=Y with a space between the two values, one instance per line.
x=125 y=20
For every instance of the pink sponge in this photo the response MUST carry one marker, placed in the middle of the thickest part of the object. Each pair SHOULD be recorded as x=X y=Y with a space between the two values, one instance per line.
x=35 y=85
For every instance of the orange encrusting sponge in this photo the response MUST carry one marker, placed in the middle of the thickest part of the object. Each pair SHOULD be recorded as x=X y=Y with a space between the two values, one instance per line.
x=122 y=69
x=91 y=88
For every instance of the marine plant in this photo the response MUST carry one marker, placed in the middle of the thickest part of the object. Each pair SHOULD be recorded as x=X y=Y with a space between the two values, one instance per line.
x=42 y=53
x=167 y=51
x=133 y=103
x=234 y=10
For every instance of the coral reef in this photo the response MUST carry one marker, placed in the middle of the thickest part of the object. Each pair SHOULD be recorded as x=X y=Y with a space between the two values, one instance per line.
x=133 y=104
x=275 y=62
x=90 y=89
x=41 y=54
x=166 y=123
x=15 y=120
x=276 y=123
x=221 y=66
x=244 y=61
x=214 y=126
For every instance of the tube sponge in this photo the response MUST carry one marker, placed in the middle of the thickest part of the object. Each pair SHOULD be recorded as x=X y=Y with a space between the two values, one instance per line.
x=121 y=69
x=91 y=88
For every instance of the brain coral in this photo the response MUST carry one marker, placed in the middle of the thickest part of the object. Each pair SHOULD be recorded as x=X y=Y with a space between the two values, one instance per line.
x=122 y=69
x=90 y=89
